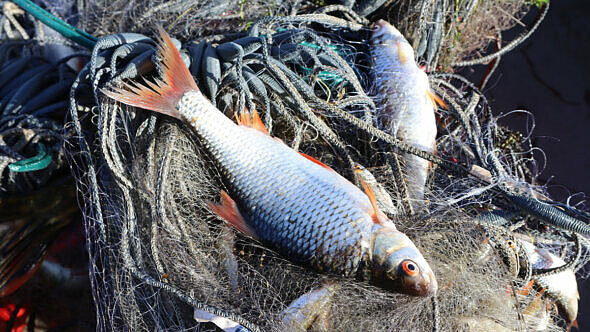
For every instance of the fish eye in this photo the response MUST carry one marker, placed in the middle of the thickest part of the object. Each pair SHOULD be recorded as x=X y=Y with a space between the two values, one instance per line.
x=410 y=268
x=511 y=244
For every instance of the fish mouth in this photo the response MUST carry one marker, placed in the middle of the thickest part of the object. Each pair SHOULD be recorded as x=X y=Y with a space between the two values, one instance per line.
x=425 y=286
x=379 y=28
x=383 y=31
x=380 y=25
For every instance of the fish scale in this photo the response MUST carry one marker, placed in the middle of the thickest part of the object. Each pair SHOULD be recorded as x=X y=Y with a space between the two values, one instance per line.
x=297 y=206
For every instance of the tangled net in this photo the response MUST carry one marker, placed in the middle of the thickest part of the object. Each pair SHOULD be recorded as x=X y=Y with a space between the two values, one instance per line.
x=37 y=193
x=157 y=252
x=451 y=34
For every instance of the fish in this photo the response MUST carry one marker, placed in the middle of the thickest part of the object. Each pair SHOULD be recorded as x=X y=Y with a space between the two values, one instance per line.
x=561 y=287
x=538 y=313
x=406 y=103
x=30 y=223
x=309 y=309
x=288 y=201
x=222 y=323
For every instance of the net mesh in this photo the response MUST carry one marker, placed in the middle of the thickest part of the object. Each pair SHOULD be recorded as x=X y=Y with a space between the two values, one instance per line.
x=156 y=250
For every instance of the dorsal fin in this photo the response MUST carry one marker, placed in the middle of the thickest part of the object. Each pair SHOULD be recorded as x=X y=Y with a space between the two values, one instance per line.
x=161 y=95
x=436 y=100
x=315 y=161
x=251 y=119
x=228 y=211
x=372 y=198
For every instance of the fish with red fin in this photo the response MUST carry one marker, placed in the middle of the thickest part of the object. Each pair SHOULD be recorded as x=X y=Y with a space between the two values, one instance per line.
x=289 y=201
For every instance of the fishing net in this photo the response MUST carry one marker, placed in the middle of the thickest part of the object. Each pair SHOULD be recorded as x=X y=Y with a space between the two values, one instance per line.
x=40 y=223
x=448 y=34
x=158 y=255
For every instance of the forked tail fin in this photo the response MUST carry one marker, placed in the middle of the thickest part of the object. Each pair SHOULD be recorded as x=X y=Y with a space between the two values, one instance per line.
x=163 y=94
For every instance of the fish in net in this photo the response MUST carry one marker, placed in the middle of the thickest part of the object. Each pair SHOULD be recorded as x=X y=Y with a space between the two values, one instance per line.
x=157 y=252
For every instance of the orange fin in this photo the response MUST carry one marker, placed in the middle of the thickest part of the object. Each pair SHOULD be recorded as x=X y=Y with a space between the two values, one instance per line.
x=228 y=211
x=372 y=198
x=316 y=161
x=573 y=323
x=252 y=120
x=161 y=95
x=527 y=288
x=436 y=100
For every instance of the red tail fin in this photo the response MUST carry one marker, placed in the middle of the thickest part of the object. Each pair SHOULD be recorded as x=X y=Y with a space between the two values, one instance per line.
x=163 y=94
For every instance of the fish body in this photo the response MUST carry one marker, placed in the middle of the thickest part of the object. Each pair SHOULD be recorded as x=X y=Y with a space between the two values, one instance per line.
x=311 y=307
x=405 y=100
x=561 y=287
x=289 y=201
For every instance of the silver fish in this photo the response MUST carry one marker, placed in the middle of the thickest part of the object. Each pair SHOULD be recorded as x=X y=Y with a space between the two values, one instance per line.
x=560 y=287
x=289 y=201
x=406 y=101
x=311 y=307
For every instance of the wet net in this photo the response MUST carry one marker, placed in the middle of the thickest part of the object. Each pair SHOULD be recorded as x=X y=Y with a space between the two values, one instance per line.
x=158 y=255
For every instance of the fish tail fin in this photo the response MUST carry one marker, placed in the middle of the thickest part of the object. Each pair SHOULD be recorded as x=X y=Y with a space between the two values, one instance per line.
x=163 y=94
x=573 y=323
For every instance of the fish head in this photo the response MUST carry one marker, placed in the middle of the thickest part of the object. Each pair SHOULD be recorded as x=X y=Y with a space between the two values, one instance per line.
x=383 y=30
x=399 y=266
x=386 y=35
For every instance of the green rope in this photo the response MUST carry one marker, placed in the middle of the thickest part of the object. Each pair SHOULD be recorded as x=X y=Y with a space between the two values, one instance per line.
x=72 y=33
x=36 y=163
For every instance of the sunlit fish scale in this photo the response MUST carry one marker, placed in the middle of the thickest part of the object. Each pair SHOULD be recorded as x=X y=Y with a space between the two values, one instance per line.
x=287 y=200
x=560 y=287
x=406 y=103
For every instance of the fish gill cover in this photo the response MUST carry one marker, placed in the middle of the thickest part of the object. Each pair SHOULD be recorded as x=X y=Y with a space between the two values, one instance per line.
x=158 y=252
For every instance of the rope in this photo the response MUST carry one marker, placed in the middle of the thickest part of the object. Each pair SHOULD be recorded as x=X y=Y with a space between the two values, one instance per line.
x=68 y=31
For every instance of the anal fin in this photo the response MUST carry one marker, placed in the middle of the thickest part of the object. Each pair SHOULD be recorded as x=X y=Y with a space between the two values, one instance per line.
x=228 y=211
x=571 y=324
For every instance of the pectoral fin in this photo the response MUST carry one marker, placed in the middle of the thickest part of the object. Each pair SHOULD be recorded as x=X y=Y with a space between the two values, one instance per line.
x=228 y=211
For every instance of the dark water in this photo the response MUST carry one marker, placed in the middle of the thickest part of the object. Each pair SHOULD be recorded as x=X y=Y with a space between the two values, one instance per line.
x=549 y=75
